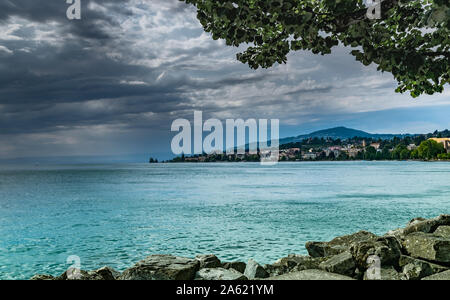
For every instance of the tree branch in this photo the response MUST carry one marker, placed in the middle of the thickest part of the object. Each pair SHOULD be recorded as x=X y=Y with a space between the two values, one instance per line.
x=434 y=54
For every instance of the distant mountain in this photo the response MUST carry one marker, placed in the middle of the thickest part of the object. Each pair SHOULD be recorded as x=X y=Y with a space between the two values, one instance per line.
x=340 y=133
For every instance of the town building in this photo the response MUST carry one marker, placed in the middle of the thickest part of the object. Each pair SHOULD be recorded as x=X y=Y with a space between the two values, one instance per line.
x=411 y=147
x=444 y=141
x=353 y=152
x=376 y=145
x=191 y=159
x=307 y=156
x=335 y=148
x=293 y=151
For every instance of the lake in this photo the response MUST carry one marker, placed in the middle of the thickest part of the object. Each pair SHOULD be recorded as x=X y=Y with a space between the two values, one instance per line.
x=118 y=214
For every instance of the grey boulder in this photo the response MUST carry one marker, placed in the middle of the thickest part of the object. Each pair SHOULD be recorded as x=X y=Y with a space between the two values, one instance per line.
x=439 y=276
x=106 y=273
x=385 y=274
x=415 y=269
x=253 y=270
x=311 y=275
x=236 y=265
x=208 y=261
x=427 y=246
x=293 y=263
x=42 y=277
x=219 y=274
x=443 y=231
x=426 y=226
x=337 y=245
x=162 y=267
x=387 y=249
x=343 y=264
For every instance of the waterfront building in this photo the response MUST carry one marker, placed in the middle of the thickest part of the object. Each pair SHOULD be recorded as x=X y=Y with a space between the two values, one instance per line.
x=411 y=147
x=375 y=145
x=444 y=141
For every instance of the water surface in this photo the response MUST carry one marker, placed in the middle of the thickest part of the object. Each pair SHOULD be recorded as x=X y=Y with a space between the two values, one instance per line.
x=118 y=214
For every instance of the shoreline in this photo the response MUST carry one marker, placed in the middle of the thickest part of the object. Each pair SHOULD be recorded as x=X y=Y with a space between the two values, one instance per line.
x=300 y=161
x=420 y=251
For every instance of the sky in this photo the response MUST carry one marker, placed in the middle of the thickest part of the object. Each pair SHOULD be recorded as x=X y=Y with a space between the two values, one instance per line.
x=112 y=83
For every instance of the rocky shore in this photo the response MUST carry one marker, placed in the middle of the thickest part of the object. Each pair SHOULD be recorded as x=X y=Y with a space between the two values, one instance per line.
x=420 y=251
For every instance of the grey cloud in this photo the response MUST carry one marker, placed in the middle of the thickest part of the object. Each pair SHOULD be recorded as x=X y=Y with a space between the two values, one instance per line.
x=92 y=26
x=309 y=90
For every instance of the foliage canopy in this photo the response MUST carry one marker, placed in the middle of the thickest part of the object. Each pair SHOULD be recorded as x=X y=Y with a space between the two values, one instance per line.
x=430 y=149
x=411 y=40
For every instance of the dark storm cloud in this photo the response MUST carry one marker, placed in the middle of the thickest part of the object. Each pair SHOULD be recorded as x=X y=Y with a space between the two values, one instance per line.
x=55 y=10
x=54 y=70
x=47 y=86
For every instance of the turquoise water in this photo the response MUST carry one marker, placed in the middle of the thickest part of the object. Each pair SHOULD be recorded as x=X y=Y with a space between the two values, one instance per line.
x=118 y=214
